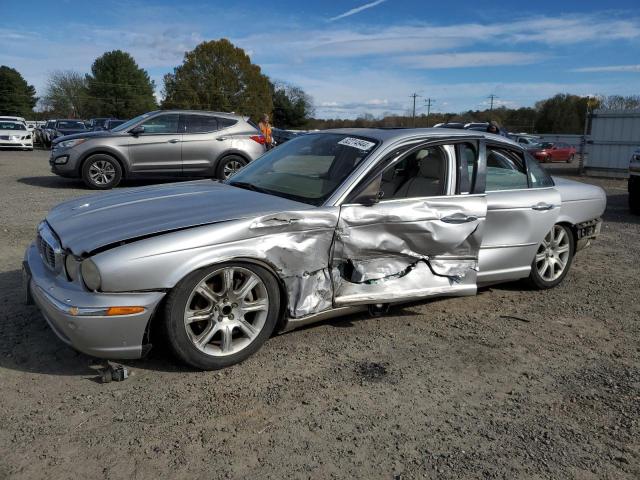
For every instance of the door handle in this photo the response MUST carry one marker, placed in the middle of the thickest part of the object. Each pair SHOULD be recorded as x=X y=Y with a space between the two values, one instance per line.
x=459 y=218
x=542 y=206
x=221 y=139
x=174 y=140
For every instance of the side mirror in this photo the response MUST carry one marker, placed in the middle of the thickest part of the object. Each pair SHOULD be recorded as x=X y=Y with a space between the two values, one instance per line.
x=371 y=194
x=137 y=130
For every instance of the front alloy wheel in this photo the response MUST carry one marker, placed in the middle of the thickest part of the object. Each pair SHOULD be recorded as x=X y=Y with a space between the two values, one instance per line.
x=221 y=315
x=553 y=258
x=101 y=172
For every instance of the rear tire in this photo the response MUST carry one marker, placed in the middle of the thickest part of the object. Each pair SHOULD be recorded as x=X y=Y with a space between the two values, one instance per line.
x=229 y=165
x=570 y=159
x=101 y=172
x=220 y=315
x=553 y=258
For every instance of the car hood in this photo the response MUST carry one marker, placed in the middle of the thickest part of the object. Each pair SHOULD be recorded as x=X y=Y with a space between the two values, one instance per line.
x=81 y=134
x=88 y=223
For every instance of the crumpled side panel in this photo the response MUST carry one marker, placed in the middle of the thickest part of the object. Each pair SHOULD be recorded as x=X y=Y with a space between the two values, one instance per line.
x=403 y=249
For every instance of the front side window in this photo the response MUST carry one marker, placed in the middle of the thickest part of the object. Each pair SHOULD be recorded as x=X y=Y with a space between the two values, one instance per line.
x=308 y=168
x=538 y=177
x=505 y=170
x=420 y=174
x=200 y=123
x=161 y=124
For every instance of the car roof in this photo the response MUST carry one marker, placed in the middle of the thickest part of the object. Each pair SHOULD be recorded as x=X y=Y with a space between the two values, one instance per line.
x=234 y=116
x=392 y=135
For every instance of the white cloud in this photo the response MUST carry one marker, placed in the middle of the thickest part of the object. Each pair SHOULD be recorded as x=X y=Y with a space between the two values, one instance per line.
x=469 y=59
x=609 y=68
x=353 y=11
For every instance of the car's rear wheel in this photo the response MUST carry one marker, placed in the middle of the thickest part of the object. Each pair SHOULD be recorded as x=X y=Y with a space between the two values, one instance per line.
x=219 y=316
x=553 y=258
x=570 y=159
x=229 y=165
x=101 y=172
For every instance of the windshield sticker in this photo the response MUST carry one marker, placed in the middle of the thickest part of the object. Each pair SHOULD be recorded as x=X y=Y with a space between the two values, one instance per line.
x=356 y=143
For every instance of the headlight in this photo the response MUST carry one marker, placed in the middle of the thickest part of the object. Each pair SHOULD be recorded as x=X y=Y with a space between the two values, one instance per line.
x=72 y=266
x=71 y=143
x=14 y=137
x=90 y=274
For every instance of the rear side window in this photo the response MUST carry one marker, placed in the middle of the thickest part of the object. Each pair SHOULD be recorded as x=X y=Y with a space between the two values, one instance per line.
x=225 y=122
x=200 y=123
x=505 y=170
x=538 y=177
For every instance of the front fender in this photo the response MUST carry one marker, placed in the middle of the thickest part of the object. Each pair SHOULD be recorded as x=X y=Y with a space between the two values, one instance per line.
x=295 y=245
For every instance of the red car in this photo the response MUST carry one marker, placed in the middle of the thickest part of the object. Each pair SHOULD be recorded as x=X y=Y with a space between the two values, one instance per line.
x=554 y=152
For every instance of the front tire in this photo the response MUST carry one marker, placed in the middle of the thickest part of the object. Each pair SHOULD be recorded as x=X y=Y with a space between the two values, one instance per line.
x=220 y=315
x=101 y=172
x=229 y=165
x=634 y=195
x=553 y=258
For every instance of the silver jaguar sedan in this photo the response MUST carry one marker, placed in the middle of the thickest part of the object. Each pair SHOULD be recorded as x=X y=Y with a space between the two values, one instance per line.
x=326 y=224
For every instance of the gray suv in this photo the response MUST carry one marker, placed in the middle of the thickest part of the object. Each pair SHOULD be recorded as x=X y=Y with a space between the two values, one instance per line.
x=161 y=143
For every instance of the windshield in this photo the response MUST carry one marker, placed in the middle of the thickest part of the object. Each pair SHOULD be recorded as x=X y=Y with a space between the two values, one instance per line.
x=12 y=126
x=130 y=123
x=71 y=125
x=306 y=169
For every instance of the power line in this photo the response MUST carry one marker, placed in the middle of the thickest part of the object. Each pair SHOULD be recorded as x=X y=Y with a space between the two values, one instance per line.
x=492 y=97
x=429 y=102
x=413 y=115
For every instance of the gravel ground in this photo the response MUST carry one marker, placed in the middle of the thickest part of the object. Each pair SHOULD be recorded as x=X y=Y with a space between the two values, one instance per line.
x=512 y=383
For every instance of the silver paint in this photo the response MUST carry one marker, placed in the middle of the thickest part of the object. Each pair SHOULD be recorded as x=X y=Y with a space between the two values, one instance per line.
x=325 y=258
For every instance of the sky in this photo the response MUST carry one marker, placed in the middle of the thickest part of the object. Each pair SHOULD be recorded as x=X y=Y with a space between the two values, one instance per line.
x=352 y=56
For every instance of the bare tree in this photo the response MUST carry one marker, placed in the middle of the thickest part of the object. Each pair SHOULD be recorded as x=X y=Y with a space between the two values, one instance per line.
x=619 y=102
x=66 y=93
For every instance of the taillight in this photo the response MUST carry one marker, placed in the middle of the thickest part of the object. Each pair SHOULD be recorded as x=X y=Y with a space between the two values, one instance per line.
x=258 y=138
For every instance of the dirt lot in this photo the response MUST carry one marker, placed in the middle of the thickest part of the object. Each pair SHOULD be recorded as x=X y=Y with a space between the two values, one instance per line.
x=451 y=388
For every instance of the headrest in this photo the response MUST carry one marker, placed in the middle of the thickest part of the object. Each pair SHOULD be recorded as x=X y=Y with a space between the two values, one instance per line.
x=430 y=163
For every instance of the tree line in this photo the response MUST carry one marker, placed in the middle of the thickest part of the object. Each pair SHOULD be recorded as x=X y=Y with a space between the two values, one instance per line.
x=217 y=75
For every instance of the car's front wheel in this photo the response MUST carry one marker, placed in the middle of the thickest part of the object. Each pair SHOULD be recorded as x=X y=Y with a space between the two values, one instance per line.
x=220 y=315
x=229 y=165
x=101 y=172
x=553 y=258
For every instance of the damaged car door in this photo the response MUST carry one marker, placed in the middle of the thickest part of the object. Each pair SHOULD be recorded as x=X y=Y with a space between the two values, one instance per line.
x=413 y=227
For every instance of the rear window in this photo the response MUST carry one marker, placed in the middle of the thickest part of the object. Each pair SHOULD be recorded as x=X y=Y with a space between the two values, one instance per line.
x=200 y=123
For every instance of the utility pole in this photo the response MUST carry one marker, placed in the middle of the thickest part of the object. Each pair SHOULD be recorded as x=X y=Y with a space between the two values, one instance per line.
x=429 y=102
x=413 y=115
x=491 y=97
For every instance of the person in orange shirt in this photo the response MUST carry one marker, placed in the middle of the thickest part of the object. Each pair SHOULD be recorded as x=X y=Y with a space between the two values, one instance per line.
x=265 y=128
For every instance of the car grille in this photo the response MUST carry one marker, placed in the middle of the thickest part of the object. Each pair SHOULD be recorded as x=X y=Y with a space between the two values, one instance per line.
x=4 y=137
x=46 y=252
x=49 y=248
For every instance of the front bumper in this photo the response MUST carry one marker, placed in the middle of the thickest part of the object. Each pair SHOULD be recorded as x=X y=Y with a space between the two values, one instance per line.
x=5 y=143
x=78 y=317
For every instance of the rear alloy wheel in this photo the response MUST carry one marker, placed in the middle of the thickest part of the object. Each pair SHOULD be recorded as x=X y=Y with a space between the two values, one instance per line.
x=220 y=315
x=101 y=172
x=229 y=165
x=553 y=258
x=570 y=159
